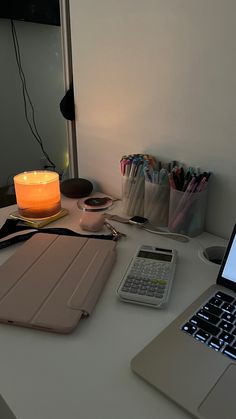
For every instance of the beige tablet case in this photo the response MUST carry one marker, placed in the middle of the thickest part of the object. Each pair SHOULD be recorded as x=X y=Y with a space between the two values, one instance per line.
x=51 y=281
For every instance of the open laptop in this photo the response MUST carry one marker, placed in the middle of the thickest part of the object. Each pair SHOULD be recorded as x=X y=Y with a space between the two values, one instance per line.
x=193 y=361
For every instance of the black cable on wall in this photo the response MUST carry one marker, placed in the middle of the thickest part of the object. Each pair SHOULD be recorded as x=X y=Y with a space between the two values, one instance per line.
x=28 y=106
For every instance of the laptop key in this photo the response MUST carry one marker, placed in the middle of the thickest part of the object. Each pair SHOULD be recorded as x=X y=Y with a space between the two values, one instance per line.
x=226 y=337
x=203 y=324
x=215 y=301
x=189 y=328
x=208 y=316
x=202 y=335
x=226 y=326
x=229 y=317
x=230 y=351
x=234 y=331
x=213 y=309
x=225 y=297
x=216 y=343
x=228 y=307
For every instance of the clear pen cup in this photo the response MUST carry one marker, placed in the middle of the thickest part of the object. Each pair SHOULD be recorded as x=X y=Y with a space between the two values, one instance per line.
x=187 y=212
x=156 y=203
x=133 y=195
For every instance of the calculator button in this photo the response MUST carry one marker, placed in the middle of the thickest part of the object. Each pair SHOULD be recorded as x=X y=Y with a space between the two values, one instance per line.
x=162 y=282
x=159 y=296
x=128 y=281
x=133 y=291
x=125 y=289
x=161 y=289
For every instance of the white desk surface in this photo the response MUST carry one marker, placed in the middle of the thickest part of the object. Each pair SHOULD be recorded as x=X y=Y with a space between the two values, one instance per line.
x=86 y=375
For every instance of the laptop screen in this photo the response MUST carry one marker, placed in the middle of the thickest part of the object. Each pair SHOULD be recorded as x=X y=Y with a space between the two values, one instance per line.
x=227 y=273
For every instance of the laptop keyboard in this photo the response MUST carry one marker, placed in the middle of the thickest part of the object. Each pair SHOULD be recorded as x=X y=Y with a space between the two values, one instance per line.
x=214 y=324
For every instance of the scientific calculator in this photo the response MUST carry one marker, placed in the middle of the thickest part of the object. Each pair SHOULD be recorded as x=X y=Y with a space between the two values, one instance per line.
x=149 y=277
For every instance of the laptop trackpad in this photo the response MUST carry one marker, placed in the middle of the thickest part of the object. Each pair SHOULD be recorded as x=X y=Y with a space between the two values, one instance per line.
x=220 y=401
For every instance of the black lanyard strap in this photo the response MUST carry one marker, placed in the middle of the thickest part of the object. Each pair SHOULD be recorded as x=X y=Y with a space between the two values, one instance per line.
x=11 y=227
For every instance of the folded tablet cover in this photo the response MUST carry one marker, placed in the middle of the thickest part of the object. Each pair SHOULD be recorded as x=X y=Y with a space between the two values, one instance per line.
x=51 y=281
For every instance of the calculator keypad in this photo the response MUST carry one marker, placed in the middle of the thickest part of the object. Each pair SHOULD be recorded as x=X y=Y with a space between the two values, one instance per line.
x=147 y=278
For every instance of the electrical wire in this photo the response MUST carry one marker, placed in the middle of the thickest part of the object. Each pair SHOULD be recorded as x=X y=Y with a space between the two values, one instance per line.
x=175 y=236
x=27 y=100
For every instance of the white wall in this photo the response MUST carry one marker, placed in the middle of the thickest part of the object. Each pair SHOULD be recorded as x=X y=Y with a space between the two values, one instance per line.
x=158 y=76
x=40 y=47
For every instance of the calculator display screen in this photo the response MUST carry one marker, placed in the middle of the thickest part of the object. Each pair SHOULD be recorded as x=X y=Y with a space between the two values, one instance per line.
x=154 y=255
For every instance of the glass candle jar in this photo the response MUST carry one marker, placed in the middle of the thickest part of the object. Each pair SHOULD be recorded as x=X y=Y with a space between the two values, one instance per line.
x=37 y=193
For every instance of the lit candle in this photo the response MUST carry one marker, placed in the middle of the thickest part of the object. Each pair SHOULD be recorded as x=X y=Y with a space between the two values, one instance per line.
x=37 y=193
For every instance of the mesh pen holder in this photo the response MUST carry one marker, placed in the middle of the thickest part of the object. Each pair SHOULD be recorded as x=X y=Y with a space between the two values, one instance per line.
x=133 y=195
x=156 y=203
x=187 y=212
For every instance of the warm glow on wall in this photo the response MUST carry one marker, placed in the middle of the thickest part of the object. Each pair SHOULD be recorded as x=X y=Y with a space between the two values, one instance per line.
x=37 y=193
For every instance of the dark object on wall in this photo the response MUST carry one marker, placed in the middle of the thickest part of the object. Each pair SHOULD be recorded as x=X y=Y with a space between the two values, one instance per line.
x=67 y=105
x=76 y=187
x=36 y=11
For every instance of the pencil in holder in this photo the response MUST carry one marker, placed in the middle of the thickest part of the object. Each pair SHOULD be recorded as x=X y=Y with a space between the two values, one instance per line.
x=133 y=195
x=187 y=212
x=156 y=203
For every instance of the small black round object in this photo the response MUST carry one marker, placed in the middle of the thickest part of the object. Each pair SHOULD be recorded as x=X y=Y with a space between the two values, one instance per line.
x=76 y=187
x=97 y=201
x=138 y=220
